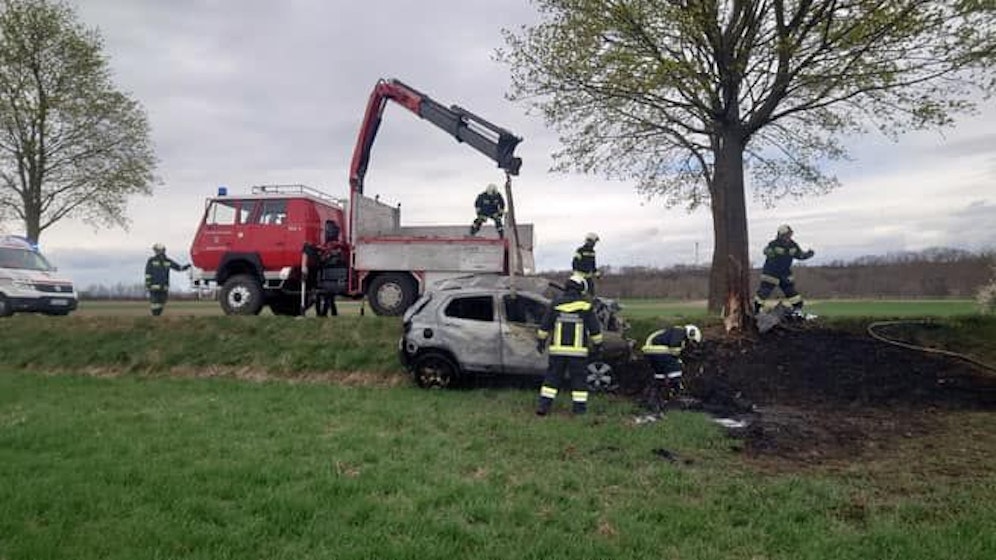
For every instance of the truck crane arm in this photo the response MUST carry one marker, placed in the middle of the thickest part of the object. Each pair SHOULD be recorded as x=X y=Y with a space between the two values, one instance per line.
x=491 y=140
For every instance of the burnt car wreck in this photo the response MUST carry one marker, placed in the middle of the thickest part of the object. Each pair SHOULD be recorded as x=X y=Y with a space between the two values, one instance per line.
x=485 y=325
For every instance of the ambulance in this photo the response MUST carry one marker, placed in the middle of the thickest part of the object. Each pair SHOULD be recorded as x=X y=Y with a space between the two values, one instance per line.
x=29 y=283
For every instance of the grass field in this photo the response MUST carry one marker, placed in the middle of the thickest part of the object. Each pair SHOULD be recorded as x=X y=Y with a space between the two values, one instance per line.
x=632 y=308
x=196 y=435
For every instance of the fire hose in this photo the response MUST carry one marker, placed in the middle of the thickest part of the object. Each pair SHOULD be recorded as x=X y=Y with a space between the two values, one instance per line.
x=908 y=346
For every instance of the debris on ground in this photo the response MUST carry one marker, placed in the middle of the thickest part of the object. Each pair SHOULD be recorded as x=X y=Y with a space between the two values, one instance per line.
x=811 y=392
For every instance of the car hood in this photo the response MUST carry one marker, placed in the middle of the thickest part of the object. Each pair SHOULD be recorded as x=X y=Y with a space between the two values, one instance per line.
x=26 y=275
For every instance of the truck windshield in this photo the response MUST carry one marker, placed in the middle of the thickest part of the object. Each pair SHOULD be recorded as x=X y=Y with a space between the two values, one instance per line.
x=22 y=259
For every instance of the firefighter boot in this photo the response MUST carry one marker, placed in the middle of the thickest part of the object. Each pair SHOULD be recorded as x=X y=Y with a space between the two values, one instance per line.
x=474 y=228
x=544 y=406
x=579 y=402
x=501 y=232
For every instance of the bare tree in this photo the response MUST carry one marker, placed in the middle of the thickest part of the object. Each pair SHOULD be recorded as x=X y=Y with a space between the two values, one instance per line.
x=71 y=145
x=687 y=97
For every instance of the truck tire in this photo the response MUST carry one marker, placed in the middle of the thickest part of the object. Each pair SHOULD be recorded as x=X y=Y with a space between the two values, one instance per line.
x=6 y=309
x=242 y=295
x=391 y=294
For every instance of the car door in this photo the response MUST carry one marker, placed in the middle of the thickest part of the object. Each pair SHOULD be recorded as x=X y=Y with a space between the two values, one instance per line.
x=219 y=232
x=472 y=332
x=521 y=317
x=266 y=234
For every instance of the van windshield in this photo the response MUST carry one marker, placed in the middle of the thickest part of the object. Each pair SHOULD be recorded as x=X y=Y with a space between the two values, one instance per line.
x=22 y=259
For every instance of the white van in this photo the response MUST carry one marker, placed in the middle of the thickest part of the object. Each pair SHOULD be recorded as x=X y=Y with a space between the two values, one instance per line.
x=28 y=282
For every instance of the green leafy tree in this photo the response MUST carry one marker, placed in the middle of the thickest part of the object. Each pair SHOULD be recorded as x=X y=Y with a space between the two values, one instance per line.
x=71 y=145
x=687 y=98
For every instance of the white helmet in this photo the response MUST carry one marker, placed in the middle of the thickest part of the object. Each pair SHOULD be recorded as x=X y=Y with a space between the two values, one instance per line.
x=492 y=189
x=693 y=333
x=159 y=248
x=591 y=236
x=784 y=229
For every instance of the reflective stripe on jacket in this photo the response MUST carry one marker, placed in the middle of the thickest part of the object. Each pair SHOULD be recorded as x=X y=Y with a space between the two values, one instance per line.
x=573 y=323
x=667 y=342
x=157 y=272
x=779 y=255
x=584 y=260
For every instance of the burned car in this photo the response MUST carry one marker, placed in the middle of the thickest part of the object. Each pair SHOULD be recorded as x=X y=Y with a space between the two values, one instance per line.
x=486 y=325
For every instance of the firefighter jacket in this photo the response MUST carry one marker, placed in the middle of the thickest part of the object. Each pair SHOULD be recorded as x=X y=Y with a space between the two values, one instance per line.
x=584 y=260
x=331 y=253
x=665 y=342
x=571 y=321
x=489 y=204
x=779 y=255
x=157 y=272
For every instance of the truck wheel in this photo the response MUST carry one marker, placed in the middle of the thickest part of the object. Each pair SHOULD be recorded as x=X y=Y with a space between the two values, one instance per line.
x=242 y=295
x=434 y=371
x=392 y=294
x=6 y=309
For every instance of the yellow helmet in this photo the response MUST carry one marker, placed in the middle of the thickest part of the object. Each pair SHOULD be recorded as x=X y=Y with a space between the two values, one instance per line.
x=159 y=248
x=784 y=229
x=492 y=189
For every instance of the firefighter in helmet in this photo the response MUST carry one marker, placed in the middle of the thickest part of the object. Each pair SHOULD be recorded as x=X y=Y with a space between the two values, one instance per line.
x=583 y=264
x=572 y=322
x=157 y=277
x=489 y=205
x=662 y=351
x=779 y=255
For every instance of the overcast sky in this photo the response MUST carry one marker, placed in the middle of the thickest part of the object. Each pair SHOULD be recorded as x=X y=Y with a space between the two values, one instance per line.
x=243 y=92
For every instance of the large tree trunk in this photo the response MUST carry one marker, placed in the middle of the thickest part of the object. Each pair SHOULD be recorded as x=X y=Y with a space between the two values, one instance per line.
x=729 y=279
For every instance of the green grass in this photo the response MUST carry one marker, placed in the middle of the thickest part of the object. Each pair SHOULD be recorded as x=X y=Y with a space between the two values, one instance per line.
x=139 y=467
x=144 y=459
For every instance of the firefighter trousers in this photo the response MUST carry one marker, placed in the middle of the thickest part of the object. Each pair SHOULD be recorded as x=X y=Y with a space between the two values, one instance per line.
x=559 y=369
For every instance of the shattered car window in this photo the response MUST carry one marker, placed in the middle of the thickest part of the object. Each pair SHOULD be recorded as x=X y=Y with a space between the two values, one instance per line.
x=475 y=308
x=519 y=309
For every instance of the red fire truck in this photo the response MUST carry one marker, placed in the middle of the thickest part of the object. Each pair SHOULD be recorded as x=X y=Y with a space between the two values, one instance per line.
x=250 y=246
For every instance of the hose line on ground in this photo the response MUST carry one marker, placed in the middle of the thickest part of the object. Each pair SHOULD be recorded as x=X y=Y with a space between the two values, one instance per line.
x=877 y=336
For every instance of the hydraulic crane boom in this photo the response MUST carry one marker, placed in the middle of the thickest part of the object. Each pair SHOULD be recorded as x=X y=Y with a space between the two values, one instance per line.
x=489 y=139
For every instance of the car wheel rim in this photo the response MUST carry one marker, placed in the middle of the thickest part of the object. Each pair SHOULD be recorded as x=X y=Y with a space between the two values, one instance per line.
x=600 y=376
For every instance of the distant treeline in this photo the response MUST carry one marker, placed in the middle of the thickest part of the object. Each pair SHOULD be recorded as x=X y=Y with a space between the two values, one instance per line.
x=933 y=273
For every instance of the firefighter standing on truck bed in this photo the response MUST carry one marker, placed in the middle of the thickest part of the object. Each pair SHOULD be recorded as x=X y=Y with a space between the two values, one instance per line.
x=662 y=351
x=157 y=277
x=777 y=271
x=583 y=264
x=572 y=323
x=489 y=205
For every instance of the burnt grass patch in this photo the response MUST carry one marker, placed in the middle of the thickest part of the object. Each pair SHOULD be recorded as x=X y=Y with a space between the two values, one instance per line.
x=813 y=393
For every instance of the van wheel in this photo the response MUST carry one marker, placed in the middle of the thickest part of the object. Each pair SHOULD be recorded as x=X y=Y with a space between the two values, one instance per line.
x=601 y=378
x=6 y=309
x=392 y=294
x=242 y=295
x=434 y=371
